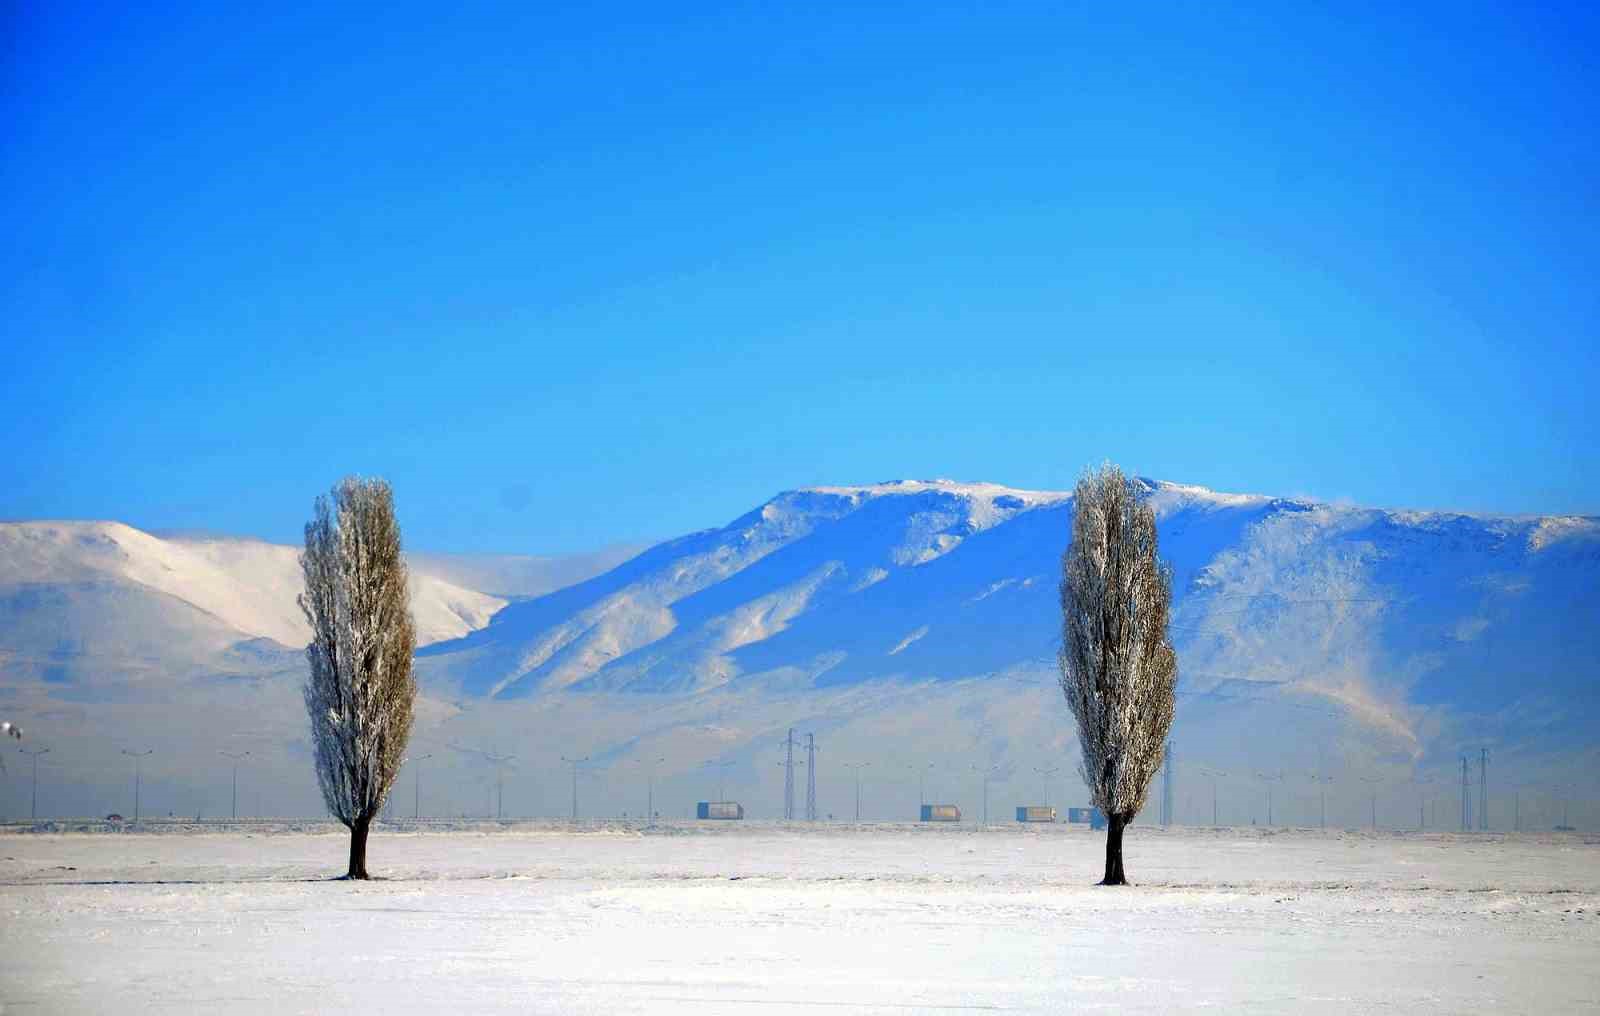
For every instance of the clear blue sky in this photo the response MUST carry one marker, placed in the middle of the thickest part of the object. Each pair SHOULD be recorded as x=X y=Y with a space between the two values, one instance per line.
x=570 y=275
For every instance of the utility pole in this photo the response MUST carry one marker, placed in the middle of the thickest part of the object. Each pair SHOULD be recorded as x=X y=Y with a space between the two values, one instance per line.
x=1166 y=785
x=574 y=763
x=235 y=756
x=1213 y=773
x=810 y=778
x=987 y=775
x=1044 y=781
x=1373 y=781
x=33 y=814
x=499 y=761
x=138 y=757
x=922 y=784
x=416 y=786
x=856 y=767
x=1267 y=779
x=788 y=776
x=1483 y=789
x=722 y=769
x=1322 y=784
x=649 y=766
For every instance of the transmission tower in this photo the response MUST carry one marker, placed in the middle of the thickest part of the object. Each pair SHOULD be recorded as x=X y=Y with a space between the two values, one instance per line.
x=811 y=777
x=1466 y=798
x=574 y=763
x=788 y=776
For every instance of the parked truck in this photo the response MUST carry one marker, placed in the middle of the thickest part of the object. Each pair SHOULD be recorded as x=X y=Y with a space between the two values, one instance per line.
x=1036 y=813
x=719 y=810
x=941 y=813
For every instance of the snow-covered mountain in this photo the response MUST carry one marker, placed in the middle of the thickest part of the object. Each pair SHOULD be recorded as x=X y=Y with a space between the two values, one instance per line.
x=887 y=617
x=1367 y=611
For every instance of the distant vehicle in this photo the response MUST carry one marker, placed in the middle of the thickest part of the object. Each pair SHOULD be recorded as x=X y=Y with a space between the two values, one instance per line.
x=719 y=810
x=1081 y=816
x=114 y=817
x=1036 y=813
x=941 y=813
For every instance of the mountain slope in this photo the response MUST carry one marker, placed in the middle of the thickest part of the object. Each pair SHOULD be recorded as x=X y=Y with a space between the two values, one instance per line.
x=1373 y=614
x=247 y=585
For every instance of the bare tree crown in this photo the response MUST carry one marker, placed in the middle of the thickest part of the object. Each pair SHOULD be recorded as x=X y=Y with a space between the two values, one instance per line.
x=1118 y=669
x=361 y=691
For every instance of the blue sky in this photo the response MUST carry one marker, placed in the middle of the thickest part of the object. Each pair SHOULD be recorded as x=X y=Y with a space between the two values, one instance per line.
x=573 y=275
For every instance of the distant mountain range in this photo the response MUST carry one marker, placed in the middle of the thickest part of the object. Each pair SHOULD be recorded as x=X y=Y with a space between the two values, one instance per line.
x=1399 y=635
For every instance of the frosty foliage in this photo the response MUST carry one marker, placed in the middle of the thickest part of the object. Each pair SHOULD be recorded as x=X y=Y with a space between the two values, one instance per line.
x=1118 y=668
x=361 y=691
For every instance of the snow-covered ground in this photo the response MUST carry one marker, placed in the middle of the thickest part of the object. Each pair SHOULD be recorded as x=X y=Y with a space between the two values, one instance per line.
x=765 y=918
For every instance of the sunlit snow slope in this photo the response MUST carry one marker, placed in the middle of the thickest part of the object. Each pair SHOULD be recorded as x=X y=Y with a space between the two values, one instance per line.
x=1366 y=612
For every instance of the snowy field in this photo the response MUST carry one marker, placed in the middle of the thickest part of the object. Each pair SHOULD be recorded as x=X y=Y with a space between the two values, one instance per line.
x=762 y=918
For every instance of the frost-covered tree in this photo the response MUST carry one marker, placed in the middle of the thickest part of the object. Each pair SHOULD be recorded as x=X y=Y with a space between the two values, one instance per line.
x=1118 y=670
x=361 y=692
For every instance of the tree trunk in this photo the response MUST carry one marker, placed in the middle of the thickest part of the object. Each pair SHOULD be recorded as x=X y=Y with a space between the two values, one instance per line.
x=358 y=848
x=1114 y=874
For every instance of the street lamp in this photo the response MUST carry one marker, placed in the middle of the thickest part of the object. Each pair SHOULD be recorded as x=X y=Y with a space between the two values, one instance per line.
x=1373 y=781
x=649 y=766
x=236 y=756
x=1268 y=779
x=1044 y=781
x=1213 y=773
x=722 y=770
x=138 y=757
x=1322 y=783
x=416 y=785
x=33 y=815
x=574 y=763
x=857 y=767
x=988 y=774
x=922 y=786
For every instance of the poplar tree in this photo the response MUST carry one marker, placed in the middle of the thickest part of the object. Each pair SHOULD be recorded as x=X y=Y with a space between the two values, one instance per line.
x=1118 y=670
x=361 y=692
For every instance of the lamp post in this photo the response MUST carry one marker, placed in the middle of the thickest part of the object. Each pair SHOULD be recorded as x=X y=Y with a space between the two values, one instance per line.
x=235 y=756
x=1213 y=773
x=138 y=758
x=416 y=786
x=574 y=763
x=33 y=814
x=988 y=774
x=649 y=766
x=1322 y=784
x=922 y=784
x=857 y=767
x=1373 y=781
x=1268 y=779
x=722 y=771
x=1044 y=781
